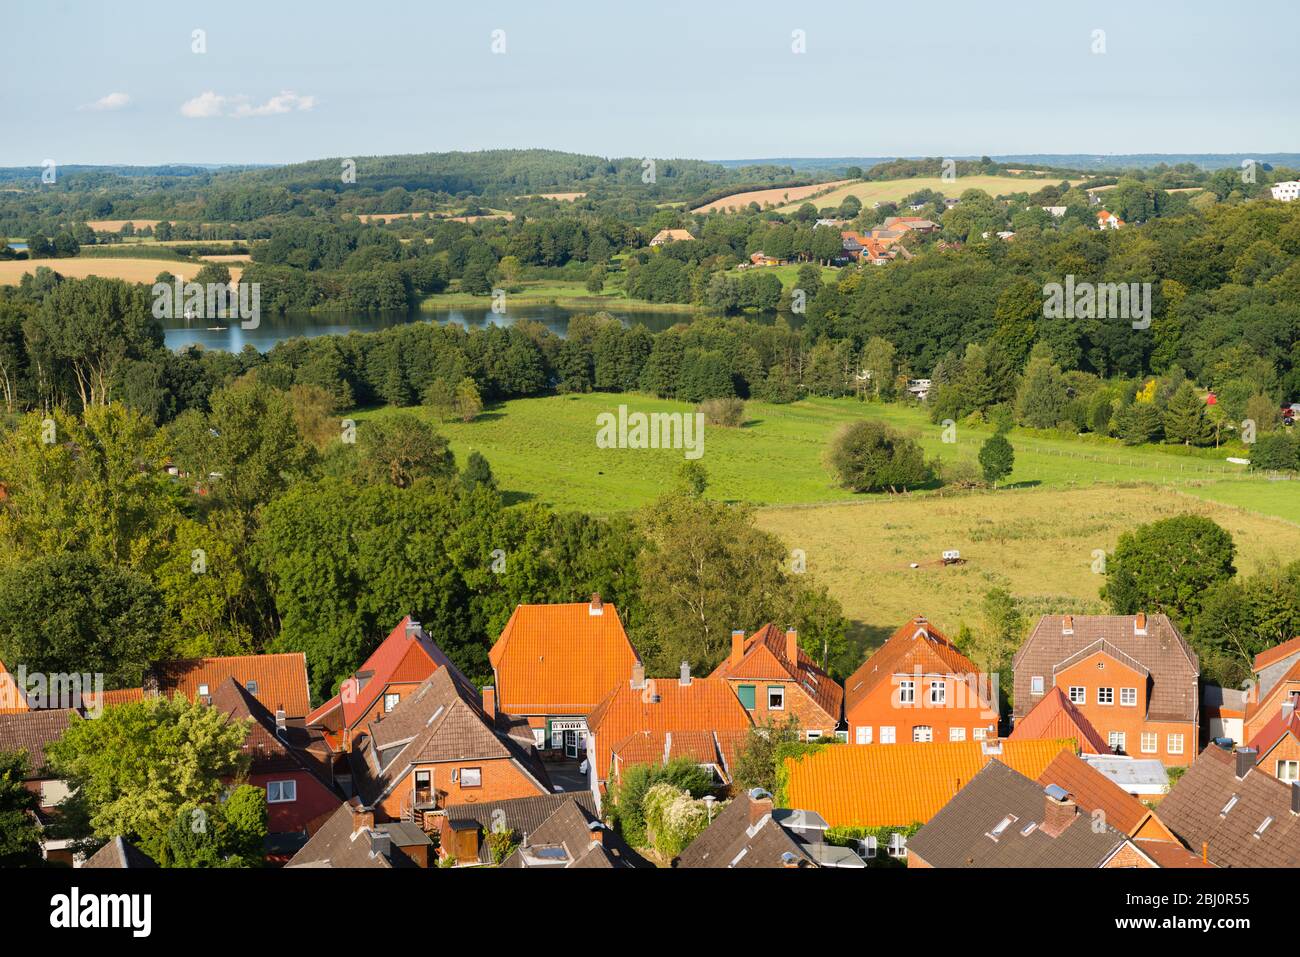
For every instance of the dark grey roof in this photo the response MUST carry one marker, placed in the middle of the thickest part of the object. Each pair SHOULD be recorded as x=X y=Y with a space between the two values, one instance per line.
x=732 y=841
x=33 y=731
x=119 y=853
x=339 y=844
x=1002 y=802
x=570 y=837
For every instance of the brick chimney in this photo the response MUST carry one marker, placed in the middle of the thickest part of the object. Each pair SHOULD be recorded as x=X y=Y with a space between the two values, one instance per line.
x=1245 y=761
x=1140 y=623
x=792 y=646
x=760 y=805
x=684 y=677
x=490 y=701
x=362 y=817
x=638 y=675
x=597 y=832
x=737 y=645
x=597 y=607
x=1059 y=810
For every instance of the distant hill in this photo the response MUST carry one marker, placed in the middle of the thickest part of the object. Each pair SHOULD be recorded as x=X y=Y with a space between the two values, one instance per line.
x=1091 y=162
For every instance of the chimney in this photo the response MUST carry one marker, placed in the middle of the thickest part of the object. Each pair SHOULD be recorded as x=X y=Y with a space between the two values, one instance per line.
x=684 y=678
x=1245 y=761
x=789 y=859
x=1059 y=810
x=1140 y=623
x=597 y=607
x=597 y=832
x=638 y=675
x=737 y=645
x=490 y=702
x=760 y=805
x=412 y=627
x=792 y=646
x=280 y=719
x=362 y=817
x=381 y=845
x=1067 y=625
x=150 y=683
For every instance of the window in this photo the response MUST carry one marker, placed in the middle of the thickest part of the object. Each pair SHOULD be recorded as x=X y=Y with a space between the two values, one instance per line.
x=907 y=692
x=1232 y=802
x=1036 y=684
x=867 y=846
x=252 y=687
x=1288 y=770
x=557 y=738
x=1263 y=826
x=1128 y=697
x=1150 y=742
x=897 y=845
x=923 y=732
x=886 y=734
x=938 y=692
x=1116 y=741
x=390 y=702
x=539 y=738
x=471 y=777
x=864 y=734
x=776 y=698
x=1078 y=694
x=814 y=735
x=842 y=737
x=956 y=734
x=979 y=734
x=1175 y=744
x=281 y=792
x=746 y=695
x=203 y=691
x=1000 y=828
x=1105 y=696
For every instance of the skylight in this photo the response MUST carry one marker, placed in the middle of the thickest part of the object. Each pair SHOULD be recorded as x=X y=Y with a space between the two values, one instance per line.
x=1232 y=802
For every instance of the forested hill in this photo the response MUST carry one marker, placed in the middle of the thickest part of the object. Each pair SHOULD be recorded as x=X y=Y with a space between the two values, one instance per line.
x=1084 y=162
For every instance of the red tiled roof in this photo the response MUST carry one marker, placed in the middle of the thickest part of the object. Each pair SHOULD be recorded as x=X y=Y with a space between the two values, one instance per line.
x=1169 y=853
x=763 y=658
x=1269 y=696
x=560 y=659
x=916 y=645
x=33 y=732
x=111 y=698
x=12 y=698
x=401 y=657
x=1277 y=727
x=280 y=680
x=1092 y=790
x=1057 y=717
x=664 y=704
x=1276 y=653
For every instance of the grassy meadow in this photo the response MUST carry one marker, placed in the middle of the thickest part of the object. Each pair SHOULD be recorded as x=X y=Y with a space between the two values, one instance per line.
x=893 y=190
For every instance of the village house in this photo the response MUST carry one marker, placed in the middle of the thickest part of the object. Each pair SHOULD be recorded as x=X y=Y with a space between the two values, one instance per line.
x=553 y=664
x=657 y=705
x=1286 y=191
x=397 y=667
x=1278 y=744
x=464 y=830
x=1108 y=220
x=1144 y=778
x=1134 y=678
x=290 y=763
x=278 y=681
x=32 y=732
x=896 y=786
x=745 y=834
x=1228 y=809
x=776 y=680
x=917 y=687
x=119 y=854
x=671 y=236
x=570 y=837
x=761 y=258
x=1223 y=713
x=441 y=746
x=1276 y=681
x=351 y=838
x=865 y=249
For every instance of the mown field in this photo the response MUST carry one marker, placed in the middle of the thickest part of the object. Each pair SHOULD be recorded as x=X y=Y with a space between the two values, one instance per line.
x=893 y=190
x=79 y=267
x=782 y=194
x=1037 y=543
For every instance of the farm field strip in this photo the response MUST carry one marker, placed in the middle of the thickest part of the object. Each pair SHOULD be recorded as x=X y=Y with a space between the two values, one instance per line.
x=77 y=267
x=893 y=190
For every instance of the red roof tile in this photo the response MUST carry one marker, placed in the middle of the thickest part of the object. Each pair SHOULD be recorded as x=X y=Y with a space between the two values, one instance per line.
x=1057 y=717
x=277 y=681
x=1270 y=655
x=763 y=658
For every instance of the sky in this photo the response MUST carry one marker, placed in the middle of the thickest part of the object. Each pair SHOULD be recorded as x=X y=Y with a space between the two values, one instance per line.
x=282 y=80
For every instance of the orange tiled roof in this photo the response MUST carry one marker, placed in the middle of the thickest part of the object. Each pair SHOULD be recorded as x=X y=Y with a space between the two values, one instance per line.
x=1092 y=790
x=916 y=645
x=1270 y=696
x=1276 y=653
x=664 y=704
x=12 y=698
x=1277 y=727
x=763 y=658
x=116 y=697
x=404 y=656
x=1169 y=853
x=1057 y=717
x=280 y=680
x=559 y=659
x=884 y=785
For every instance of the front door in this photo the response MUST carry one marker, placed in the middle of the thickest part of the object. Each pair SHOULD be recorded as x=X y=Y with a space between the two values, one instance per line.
x=575 y=744
x=423 y=789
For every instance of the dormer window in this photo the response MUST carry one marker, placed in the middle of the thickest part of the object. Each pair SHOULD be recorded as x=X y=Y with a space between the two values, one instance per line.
x=203 y=691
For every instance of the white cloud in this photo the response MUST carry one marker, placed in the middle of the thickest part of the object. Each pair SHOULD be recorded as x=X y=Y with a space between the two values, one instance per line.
x=239 y=106
x=113 y=101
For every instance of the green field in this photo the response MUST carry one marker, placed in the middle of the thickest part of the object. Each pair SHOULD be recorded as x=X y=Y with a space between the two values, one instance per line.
x=545 y=449
x=893 y=190
x=571 y=294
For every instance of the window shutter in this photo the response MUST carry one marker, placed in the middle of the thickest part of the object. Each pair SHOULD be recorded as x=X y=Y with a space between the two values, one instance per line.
x=746 y=695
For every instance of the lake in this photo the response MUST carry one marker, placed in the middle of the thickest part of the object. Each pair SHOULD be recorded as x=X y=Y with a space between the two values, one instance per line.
x=178 y=334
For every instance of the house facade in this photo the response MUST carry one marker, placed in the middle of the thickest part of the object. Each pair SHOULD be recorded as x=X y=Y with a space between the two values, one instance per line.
x=776 y=680
x=1135 y=679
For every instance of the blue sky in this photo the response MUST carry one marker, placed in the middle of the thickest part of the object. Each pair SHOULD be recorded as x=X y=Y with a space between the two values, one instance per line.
x=117 y=82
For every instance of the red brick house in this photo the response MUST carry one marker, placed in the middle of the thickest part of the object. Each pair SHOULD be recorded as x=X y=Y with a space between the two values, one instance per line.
x=1134 y=678
x=1278 y=744
x=917 y=687
x=1277 y=681
x=775 y=679
x=287 y=761
x=396 y=668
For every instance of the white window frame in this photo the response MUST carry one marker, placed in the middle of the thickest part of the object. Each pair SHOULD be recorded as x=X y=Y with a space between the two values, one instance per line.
x=868 y=845
x=1078 y=694
x=539 y=738
x=979 y=734
x=907 y=692
x=204 y=691
x=956 y=734
x=887 y=734
x=779 y=692
x=1128 y=697
x=863 y=734
x=938 y=692
x=922 y=734
x=1036 y=684
x=477 y=771
x=1106 y=695
x=814 y=735
x=1171 y=746
x=897 y=845
x=1154 y=738
x=287 y=787
x=1122 y=739
x=1288 y=765
x=394 y=697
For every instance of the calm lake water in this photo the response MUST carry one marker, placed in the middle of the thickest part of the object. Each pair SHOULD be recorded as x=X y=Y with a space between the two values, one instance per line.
x=178 y=333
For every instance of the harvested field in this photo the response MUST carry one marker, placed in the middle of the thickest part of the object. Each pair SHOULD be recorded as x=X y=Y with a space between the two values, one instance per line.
x=786 y=195
x=132 y=270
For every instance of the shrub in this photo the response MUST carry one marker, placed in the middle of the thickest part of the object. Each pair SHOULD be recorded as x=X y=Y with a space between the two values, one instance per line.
x=674 y=818
x=869 y=456
x=1274 y=452
x=627 y=808
x=729 y=413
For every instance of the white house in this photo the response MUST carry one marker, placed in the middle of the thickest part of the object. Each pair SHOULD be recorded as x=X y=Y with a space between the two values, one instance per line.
x=1286 y=191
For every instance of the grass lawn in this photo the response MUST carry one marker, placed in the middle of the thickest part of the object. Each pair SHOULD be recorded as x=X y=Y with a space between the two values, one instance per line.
x=558 y=292
x=545 y=449
x=892 y=190
x=789 y=274
x=1036 y=543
